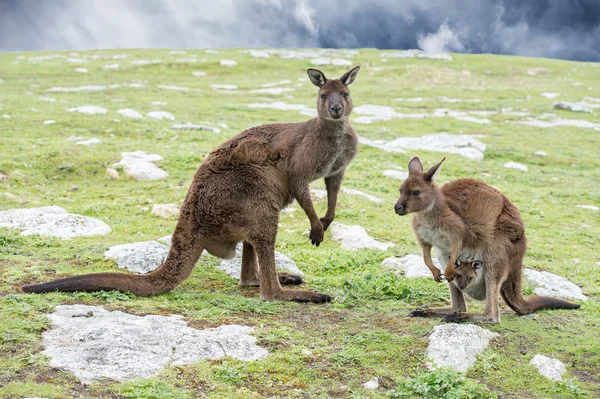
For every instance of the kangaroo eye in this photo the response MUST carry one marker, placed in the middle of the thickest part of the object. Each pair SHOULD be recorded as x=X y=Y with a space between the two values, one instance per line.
x=470 y=278
x=323 y=96
x=345 y=95
x=416 y=193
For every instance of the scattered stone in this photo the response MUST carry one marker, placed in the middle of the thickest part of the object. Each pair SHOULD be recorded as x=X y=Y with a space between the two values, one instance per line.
x=198 y=74
x=140 y=166
x=145 y=62
x=272 y=90
x=282 y=82
x=259 y=54
x=130 y=113
x=165 y=210
x=570 y=106
x=89 y=109
x=83 y=88
x=47 y=99
x=81 y=70
x=457 y=345
x=224 y=87
x=550 y=95
x=553 y=369
x=549 y=284
x=173 y=87
x=74 y=138
x=540 y=153
x=515 y=165
x=158 y=103
x=112 y=173
x=318 y=195
x=228 y=63
x=590 y=207
x=280 y=105
x=111 y=66
x=160 y=115
x=10 y=196
x=355 y=237
x=372 y=384
x=186 y=60
x=166 y=240
x=559 y=122
x=52 y=221
x=77 y=60
x=473 y=119
x=138 y=257
x=320 y=61
x=395 y=174
x=370 y=197
x=191 y=126
x=410 y=265
x=121 y=346
x=89 y=142
x=49 y=122
x=233 y=266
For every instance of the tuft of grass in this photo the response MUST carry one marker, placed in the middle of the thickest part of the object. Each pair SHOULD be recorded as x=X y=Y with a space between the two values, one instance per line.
x=442 y=383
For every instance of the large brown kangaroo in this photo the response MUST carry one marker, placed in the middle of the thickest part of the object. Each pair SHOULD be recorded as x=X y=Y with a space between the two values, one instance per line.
x=470 y=219
x=237 y=194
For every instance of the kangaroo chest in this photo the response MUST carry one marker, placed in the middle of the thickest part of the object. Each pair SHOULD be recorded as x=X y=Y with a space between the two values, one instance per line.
x=432 y=234
x=333 y=156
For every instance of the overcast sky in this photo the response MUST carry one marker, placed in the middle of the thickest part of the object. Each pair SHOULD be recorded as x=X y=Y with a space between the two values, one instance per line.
x=567 y=29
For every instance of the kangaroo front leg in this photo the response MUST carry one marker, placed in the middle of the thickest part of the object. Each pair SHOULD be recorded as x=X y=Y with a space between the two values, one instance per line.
x=454 y=252
x=458 y=305
x=437 y=274
x=250 y=275
x=332 y=184
x=300 y=191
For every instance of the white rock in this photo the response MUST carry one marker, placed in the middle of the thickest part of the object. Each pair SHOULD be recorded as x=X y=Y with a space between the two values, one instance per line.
x=372 y=384
x=138 y=257
x=81 y=70
x=395 y=174
x=160 y=115
x=549 y=284
x=457 y=345
x=145 y=62
x=52 y=221
x=550 y=95
x=590 y=207
x=158 y=103
x=140 y=166
x=536 y=71
x=83 y=88
x=77 y=60
x=47 y=99
x=111 y=66
x=165 y=210
x=553 y=369
x=283 y=106
x=282 y=82
x=411 y=265
x=272 y=90
x=365 y=120
x=192 y=126
x=173 y=87
x=233 y=266
x=228 y=63
x=341 y=62
x=320 y=61
x=540 y=153
x=570 y=106
x=112 y=173
x=74 y=138
x=370 y=197
x=130 y=113
x=473 y=119
x=515 y=165
x=355 y=237
x=93 y=343
x=10 y=196
x=199 y=74
x=166 y=239
x=89 y=109
x=259 y=54
x=435 y=56
x=318 y=195
x=211 y=51
x=224 y=87
x=49 y=122
x=559 y=122
x=89 y=142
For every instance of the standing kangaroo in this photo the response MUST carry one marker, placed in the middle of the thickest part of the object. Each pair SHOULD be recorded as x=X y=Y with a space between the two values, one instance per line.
x=467 y=217
x=237 y=194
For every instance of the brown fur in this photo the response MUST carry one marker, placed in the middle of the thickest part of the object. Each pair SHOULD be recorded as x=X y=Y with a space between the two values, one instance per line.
x=469 y=218
x=237 y=194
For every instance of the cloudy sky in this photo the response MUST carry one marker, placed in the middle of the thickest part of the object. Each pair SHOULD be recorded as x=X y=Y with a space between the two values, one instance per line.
x=567 y=29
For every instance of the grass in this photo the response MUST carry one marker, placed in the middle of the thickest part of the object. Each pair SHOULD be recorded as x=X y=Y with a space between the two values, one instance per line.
x=315 y=351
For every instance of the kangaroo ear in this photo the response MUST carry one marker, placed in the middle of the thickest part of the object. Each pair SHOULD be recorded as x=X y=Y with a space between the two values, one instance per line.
x=477 y=265
x=415 y=166
x=349 y=76
x=316 y=77
x=432 y=173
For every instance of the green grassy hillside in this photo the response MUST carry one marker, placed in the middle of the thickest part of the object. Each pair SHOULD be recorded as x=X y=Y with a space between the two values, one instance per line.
x=316 y=351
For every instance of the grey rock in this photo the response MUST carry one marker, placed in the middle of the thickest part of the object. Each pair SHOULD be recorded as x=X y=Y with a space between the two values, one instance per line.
x=160 y=115
x=192 y=126
x=165 y=210
x=590 y=207
x=130 y=113
x=89 y=109
x=355 y=237
x=140 y=166
x=457 y=345
x=411 y=265
x=553 y=369
x=138 y=257
x=372 y=384
x=370 y=197
x=121 y=346
x=574 y=107
x=395 y=174
x=515 y=165
x=549 y=284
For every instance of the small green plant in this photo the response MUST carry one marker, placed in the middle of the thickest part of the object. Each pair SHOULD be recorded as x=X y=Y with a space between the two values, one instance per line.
x=230 y=372
x=152 y=389
x=441 y=383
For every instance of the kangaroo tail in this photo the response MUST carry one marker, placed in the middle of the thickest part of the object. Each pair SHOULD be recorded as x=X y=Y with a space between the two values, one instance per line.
x=512 y=293
x=183 y=255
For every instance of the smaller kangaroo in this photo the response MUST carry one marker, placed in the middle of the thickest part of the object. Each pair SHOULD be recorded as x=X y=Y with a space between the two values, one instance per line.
x=469 y=218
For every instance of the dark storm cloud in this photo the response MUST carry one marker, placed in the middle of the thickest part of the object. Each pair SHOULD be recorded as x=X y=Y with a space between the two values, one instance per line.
x=568 y=29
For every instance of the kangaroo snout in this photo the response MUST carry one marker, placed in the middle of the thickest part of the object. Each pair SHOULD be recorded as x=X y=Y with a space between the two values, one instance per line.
x=336 y=110
x=400 y=210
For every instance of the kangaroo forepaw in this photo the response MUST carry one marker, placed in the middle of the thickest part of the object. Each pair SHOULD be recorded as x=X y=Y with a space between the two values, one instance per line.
x=289 y=279
x=418 y=313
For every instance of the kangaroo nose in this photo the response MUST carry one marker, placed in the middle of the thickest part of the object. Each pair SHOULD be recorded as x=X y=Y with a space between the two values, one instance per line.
x=399 y=209
x=336 y=108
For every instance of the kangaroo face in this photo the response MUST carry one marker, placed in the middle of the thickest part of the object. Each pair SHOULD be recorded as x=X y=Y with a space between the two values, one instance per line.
x=465 y=273
x=417 y=192
x=334 y=100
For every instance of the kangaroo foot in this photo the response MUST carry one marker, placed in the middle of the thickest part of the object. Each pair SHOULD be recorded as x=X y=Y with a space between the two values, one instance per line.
x=470 y=317
x=299 y=296
x=289 y=279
